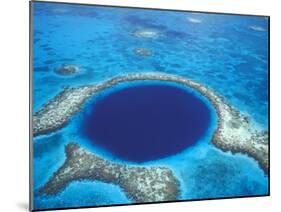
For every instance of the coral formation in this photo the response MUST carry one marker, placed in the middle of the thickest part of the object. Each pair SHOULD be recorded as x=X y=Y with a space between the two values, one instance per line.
x=257 y=28
x=67 y=69
x=146 y=33
x=143 y=52
x=234 y=131
x=194 y=20
x=142 y=184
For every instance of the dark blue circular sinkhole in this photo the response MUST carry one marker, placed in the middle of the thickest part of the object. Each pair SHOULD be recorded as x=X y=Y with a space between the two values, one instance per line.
x=146 y=122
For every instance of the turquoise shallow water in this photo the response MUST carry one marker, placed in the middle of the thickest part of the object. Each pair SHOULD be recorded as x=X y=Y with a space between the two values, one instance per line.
x=228 y=54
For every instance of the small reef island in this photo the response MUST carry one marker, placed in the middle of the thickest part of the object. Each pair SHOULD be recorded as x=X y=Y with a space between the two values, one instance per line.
x=234 y=133
x=67 y=69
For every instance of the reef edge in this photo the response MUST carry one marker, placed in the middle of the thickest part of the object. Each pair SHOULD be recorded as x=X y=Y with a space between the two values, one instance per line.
x=234 y=131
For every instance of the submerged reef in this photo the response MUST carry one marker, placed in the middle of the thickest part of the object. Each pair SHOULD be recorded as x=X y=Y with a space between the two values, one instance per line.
x=257 y=28
x=67 y=69
x=142 y=184
x=234 y=131
x=143 y=52
x=194 y=20
x=146 y=33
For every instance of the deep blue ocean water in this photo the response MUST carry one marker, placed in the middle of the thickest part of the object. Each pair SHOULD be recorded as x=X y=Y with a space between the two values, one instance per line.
x=227 y=53
x=146 y=122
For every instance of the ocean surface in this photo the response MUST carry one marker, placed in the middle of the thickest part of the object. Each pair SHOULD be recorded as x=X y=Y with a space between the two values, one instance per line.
x=226 y=53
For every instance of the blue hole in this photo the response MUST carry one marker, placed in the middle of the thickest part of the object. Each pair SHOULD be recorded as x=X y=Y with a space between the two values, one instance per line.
x=146 y=122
